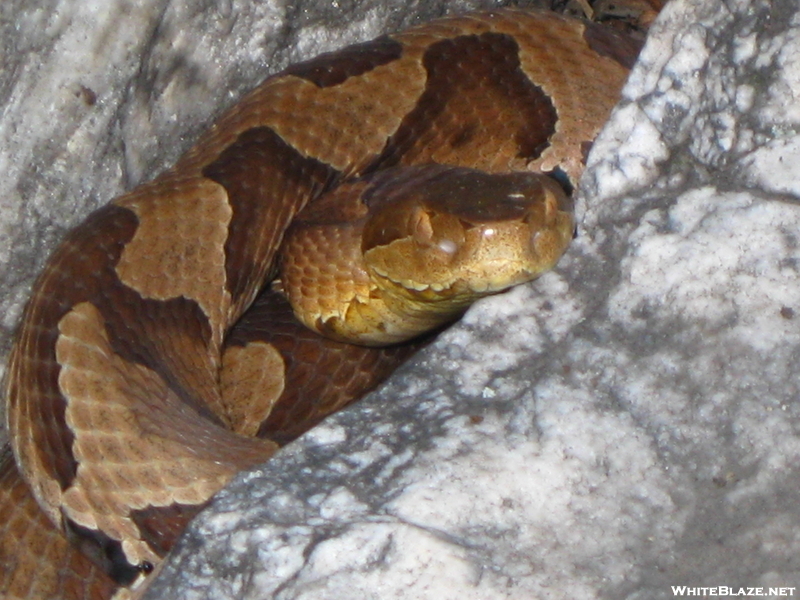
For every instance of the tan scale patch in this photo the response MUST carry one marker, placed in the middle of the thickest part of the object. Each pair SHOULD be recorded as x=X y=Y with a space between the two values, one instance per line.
x=252 y=381
x=369 y=108
x=364 y=110
x=127 y=461
x=179 y=246
x=583 y=85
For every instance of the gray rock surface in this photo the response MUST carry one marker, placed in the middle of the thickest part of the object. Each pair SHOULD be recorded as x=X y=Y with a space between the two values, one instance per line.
x=626 y=424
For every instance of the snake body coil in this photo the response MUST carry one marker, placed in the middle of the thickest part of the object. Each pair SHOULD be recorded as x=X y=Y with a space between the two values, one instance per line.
x=136 y=388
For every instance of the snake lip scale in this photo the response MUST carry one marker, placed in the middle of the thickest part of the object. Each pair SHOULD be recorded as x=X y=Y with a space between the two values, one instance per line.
x=371 y=194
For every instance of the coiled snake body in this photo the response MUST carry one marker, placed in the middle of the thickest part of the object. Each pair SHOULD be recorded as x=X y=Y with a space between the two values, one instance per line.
x=131 y=398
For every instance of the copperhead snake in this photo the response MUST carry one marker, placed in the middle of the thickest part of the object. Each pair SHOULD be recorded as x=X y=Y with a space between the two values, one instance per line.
x=136 y=387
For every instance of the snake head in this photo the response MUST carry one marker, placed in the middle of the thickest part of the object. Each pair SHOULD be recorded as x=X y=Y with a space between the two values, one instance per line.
x=451 y=235
x=417 y=246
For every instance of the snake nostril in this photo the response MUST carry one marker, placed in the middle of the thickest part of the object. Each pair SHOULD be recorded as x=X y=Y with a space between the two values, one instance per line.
x=466 y=225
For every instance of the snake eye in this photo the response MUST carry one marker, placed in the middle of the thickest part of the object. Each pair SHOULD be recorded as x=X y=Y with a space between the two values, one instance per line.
x=421 y=227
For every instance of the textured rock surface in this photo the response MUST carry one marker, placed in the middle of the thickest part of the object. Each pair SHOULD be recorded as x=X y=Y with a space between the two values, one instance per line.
x=626 y=424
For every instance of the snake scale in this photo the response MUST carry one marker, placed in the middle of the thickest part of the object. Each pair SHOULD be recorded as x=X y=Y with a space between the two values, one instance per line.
x=155 y=359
